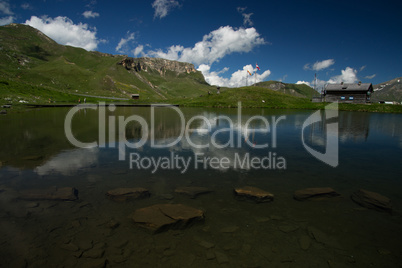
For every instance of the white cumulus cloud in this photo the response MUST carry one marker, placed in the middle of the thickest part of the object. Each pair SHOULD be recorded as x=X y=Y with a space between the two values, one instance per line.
x=172 y=53
x=65 y=32
x=163 y=7
x=6 y=20
x=214 y=46
x=303 y=82
x=237 y=79
x=6 y=10
x=349 y=75
x=319 y=65
x=121 y=46
x=89 y=14
x=139 y=50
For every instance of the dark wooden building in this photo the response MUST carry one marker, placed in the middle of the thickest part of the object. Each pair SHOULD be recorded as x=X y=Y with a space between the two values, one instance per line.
x=348 y=93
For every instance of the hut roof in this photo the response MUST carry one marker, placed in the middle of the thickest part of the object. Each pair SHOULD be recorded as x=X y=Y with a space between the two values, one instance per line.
x=350 y=87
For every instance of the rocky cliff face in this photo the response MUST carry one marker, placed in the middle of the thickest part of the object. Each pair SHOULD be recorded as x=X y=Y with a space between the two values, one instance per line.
x=388 y=91
x=161 y=65
x=277 y=86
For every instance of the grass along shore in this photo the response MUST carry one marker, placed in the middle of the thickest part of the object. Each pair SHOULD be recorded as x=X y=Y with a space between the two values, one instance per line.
x=259 y=97
x=18 y=96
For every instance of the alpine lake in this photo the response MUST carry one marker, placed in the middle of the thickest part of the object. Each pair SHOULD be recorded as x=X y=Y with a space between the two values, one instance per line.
x=60 y=169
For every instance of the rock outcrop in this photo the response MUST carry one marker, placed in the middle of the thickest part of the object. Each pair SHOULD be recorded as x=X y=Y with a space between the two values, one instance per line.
x=314 y=193
x=323 y=238
x=253 y=193
x=372 y=200
x=277 y=86
x=160 y=65
x=161 y=217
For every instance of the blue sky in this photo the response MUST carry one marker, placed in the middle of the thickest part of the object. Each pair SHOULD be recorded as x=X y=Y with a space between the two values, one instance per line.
x=346 y=41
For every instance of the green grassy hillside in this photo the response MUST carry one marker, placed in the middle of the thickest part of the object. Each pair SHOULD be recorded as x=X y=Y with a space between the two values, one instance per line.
x=297 y=90
x=258 y=97
x=251 y=96
x=30 y=60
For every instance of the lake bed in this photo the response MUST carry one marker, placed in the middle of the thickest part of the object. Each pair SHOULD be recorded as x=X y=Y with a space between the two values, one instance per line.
x=218 y=149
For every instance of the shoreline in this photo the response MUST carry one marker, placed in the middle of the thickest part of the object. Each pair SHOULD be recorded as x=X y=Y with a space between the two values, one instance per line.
x=372 y=108
x=98 y=104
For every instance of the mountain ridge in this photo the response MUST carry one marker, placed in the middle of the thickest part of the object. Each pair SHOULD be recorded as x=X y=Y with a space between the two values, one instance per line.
x=301 y=90
x=388 y=91
x=34 y=68
x=28 y=58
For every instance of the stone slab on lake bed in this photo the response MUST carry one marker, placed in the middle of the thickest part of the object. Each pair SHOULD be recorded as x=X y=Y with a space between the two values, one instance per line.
x=192 y=192
x=162 y=217
x=304 y=242
x=323 y=238
x=123 y=194
x=53 y=193
x=315 y=193
x=372 y=200
x=254 y=193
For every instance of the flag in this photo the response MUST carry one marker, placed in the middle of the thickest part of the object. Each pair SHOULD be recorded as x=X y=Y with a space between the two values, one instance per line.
x=256 y=65
x=249 y=72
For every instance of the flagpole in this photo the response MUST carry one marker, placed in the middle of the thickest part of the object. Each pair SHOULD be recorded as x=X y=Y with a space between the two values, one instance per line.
x=256 y=70
x=255 y=77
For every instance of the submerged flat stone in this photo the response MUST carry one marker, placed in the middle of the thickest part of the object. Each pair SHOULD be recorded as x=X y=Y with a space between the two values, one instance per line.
x=304 y=242
x=254 y=193
x=221 y=257
x=323 y=238
x=192 y=192
x=288 y=228
x=123 y=194
x=70 y=247
x=206 y=244
x=53 y=193
x=372 y=200
x=315 y=193
x=94 y=253
x=161 y=217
